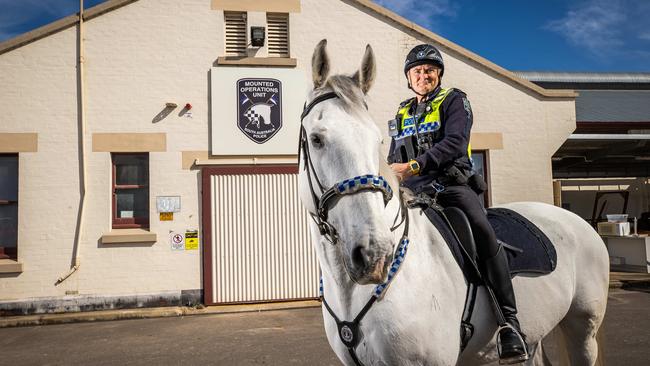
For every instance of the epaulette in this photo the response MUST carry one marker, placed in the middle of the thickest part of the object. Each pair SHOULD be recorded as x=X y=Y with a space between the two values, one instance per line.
x=404 y=103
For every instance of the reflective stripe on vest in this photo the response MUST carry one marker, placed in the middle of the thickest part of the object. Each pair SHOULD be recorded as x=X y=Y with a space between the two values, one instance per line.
x=431 y=121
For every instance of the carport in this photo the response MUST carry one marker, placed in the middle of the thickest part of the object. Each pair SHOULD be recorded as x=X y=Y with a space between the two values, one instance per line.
x=604 y=166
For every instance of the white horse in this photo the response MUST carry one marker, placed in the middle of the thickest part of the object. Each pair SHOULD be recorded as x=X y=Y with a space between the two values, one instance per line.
x=417 y=320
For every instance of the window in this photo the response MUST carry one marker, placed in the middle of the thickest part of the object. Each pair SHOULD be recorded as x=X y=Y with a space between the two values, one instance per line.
x=479 y=162
x=130 y=190
x=278 y=37
x=235 y=33
x=9 y=206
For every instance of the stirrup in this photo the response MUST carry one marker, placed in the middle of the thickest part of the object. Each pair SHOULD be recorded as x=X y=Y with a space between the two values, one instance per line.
x=514 y=359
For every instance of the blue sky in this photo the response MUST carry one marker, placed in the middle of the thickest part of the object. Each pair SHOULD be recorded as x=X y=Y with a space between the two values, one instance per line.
x=542 y=35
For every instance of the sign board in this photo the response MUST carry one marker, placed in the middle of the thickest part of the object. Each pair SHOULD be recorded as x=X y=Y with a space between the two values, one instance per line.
x=256 y=110
x=191 y=240
x=166 y=216
x=259 y=111
x=177 y=241
x=168 y=203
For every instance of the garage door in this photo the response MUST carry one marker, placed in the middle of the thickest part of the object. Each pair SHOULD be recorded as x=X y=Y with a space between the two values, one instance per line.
x=257 y=244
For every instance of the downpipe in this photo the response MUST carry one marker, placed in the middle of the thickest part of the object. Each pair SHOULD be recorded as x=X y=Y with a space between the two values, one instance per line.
x=76 y=263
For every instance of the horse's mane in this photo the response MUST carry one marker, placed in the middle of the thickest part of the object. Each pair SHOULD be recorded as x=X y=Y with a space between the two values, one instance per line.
x=348 y=90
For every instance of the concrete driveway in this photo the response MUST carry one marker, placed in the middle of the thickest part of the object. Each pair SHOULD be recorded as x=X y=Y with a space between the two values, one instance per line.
x=282 y=337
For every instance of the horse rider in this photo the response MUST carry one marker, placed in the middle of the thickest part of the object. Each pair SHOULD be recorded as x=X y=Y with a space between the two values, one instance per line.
x=430 y=155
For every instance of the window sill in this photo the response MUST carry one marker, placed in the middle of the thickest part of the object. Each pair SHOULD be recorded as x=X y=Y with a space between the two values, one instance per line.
x=10 y=266
x=119 y=236
x=257 y=61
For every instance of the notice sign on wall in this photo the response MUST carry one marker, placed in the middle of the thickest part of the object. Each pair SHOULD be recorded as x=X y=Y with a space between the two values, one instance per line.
x=259 y=110
x=177 y=241
x=191 y=240
x=256 y=110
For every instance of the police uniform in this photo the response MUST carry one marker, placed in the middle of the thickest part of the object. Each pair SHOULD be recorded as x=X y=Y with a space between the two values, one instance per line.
x=436 y=136
x=433 y=138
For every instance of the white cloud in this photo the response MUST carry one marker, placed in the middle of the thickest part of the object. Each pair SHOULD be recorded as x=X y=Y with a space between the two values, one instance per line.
x=424 y=13
x=595 y=25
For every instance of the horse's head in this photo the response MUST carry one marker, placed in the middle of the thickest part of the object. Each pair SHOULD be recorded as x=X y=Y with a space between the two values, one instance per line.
x=339 y=141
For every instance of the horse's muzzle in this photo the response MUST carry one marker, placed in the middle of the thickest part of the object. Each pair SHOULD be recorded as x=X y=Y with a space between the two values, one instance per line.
x=366 y=268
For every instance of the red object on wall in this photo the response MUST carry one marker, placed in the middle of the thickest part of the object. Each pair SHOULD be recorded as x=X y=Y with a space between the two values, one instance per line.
x=188 y=106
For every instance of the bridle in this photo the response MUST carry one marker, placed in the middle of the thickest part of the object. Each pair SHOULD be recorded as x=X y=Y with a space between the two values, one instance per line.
x=349 y=331
x=322 y=203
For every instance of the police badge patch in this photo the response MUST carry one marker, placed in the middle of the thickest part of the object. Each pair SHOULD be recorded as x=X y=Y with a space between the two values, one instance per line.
x=259 y=108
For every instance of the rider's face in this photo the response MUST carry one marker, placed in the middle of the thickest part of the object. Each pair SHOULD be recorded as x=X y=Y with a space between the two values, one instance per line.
x=424 y=78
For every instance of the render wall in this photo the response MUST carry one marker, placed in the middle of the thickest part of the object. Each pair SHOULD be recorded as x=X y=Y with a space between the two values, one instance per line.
x=150 y=52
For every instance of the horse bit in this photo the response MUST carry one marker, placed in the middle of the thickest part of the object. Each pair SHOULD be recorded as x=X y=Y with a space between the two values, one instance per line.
x=349 y=332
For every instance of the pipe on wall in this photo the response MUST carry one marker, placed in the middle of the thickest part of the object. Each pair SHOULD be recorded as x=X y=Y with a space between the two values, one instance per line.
x=76 y=262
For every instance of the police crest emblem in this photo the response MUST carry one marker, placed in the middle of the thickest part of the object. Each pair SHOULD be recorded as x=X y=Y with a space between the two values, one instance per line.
x=259 y=108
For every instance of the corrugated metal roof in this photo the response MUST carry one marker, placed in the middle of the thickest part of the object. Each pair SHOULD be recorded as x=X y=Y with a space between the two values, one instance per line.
x=613 y=106
x=585 y=77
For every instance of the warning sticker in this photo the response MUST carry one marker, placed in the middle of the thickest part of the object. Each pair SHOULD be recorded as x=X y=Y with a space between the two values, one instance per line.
x=191 y=240
x=177 y=241
x=166 y=216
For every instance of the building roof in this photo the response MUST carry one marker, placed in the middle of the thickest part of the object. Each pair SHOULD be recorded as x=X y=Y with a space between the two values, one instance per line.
x=378 y=10
x=613 y=106
x=585 y=77
x=588 y=80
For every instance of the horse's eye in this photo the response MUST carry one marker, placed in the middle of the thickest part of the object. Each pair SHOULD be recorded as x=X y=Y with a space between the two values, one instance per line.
x=316 y=140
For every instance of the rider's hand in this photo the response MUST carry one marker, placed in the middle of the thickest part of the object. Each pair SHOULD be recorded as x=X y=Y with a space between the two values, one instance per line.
x=401 y=170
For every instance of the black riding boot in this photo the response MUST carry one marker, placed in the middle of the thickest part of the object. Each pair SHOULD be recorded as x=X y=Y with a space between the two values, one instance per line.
x=513 y=345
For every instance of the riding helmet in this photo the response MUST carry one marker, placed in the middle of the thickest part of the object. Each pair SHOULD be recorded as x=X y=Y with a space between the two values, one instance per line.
x=424 y=54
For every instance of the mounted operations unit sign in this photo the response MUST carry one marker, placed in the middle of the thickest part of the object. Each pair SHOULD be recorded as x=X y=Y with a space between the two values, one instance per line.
x=259 y=111
x=256 y=110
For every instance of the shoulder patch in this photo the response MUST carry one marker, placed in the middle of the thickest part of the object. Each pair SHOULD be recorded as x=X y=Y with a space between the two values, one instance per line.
x=467 y=106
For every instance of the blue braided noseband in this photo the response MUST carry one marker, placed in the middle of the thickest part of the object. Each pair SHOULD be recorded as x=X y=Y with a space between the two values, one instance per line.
x=354 y=185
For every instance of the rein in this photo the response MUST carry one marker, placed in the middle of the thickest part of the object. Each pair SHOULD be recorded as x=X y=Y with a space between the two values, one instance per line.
x=349 y=331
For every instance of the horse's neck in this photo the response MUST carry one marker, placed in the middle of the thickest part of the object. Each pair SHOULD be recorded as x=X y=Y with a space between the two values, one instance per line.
x=428 y=266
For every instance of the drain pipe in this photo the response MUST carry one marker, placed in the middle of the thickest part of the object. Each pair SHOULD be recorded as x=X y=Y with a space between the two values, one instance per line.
x=82 y=147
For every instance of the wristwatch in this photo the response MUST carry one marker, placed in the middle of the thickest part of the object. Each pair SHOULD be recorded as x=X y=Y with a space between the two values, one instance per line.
x=414 y=166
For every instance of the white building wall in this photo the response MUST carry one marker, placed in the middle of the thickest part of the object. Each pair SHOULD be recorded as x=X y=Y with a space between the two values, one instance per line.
x=147 y=53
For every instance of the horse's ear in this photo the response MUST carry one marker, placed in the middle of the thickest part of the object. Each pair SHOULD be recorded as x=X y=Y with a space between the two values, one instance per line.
x=366 y=75
x=320 y=64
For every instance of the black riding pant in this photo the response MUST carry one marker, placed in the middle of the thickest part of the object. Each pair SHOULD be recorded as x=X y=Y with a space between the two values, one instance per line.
x=467 y=200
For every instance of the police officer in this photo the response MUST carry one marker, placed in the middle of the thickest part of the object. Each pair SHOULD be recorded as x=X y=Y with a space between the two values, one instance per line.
x=430 y=154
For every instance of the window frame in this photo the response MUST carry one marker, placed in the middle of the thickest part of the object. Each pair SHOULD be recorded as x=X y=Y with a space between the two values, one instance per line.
x=485 y=156
x=131 y=222
x=12 y=252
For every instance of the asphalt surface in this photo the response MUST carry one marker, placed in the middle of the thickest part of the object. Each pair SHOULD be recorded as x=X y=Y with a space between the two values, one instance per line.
x=282 y=337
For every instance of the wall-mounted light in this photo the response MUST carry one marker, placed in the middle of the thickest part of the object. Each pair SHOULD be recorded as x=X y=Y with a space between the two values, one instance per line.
x=257 y=36
x=188 y=106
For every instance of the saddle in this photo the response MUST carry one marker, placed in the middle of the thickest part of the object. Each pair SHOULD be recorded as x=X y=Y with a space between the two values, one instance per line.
x=528 y=249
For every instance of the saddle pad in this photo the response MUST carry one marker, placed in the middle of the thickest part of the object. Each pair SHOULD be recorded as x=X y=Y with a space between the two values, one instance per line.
x=536 y=252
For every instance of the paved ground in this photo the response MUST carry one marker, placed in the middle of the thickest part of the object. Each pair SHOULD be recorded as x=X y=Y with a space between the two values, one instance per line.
x=284 y=337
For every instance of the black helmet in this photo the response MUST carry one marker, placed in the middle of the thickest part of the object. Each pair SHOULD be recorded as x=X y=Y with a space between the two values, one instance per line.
x=424 y=54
